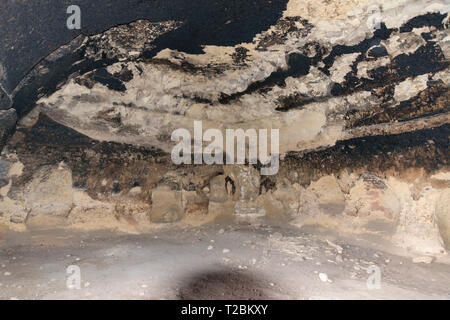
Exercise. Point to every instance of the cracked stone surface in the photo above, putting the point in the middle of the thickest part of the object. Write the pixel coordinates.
(358, 89)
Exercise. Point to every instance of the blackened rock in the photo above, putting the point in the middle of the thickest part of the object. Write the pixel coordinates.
(8, 119)
(5, 101)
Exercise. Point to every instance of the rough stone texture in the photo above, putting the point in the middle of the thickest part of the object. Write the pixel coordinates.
(167, 205)
(363, 114)
(329, 86)
(286, 199)
(216, 209)
(11, 209)
(443, 217)
(417, 229)
(330, 198)
(243, 183)
(195, 202)
(8, 120)
(31, 71)
(371, 198)
(4, 169)
(220, 196)
(5, 100)
(50, 192)
(218, 189)
(441, 180)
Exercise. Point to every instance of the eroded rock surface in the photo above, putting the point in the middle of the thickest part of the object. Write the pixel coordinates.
(361, 102)
(167, 205)
(8, 120)
(443, 216)
(50, 192)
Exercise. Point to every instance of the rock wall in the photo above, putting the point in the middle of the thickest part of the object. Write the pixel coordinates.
(358, 90)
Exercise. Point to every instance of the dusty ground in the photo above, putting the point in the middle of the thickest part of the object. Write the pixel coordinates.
(217, 261)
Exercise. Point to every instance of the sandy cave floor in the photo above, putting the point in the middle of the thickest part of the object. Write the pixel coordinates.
(214, 261)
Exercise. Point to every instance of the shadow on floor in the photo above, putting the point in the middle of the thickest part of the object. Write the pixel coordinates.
(224, 285)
